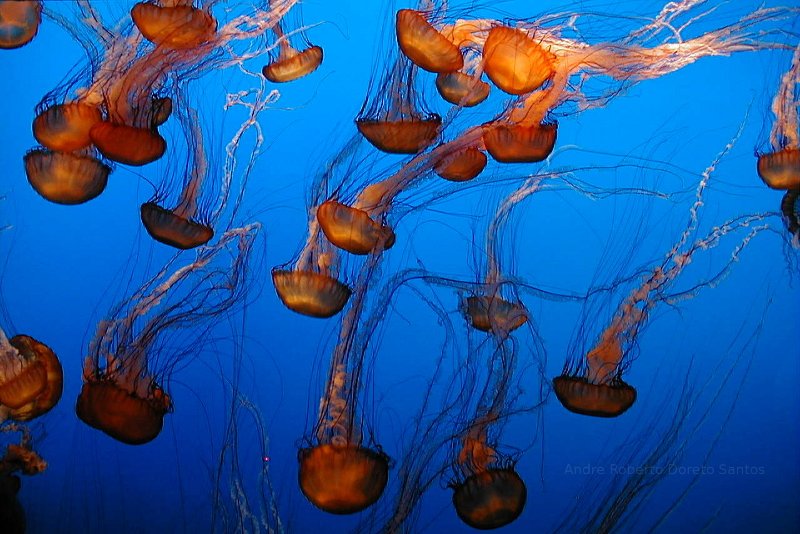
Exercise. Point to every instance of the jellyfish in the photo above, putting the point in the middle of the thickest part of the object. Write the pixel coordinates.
(488, 493)
(173, 23)
(31, 378)
(337, 473)
(310, 286)
(340, 472)
(424, 45)
(291, 64)
(124, 391)
(181, 227)
(395, 120)
(779, 168)
(593, 384)
(19, 22)
(66, 177)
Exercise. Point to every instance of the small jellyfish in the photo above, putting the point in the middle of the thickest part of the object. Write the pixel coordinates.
(519, 143)
(462, 89)
(65, 127)
(31, 378)
(19, 22)
(352, 229)
(424, 45)
(290, 63)
(395, 120)
(515, 61)
(461, 165)
(185, 226)
(65, 177)
(174, 23)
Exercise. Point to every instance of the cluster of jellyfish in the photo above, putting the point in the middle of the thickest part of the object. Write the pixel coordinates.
(134, 82)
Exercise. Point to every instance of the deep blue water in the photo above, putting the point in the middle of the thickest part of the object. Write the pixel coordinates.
(733, 344)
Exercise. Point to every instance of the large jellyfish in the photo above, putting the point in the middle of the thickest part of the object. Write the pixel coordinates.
(339, 472)
(124, 391)
(591, 383)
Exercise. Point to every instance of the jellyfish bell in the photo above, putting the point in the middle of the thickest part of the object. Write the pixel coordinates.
(487, 313)
(579, 395)
(19, 22)
(461, 89)
(516, 143)
(50, 393)
(780, 169)
(292, 64)
(352, 229)
(425, 45)
(408, 136)
(128, 145)
(121, 414)
(174, 24)
(167, 227)
(462, 165)
(31, 377)
(490, 499)
(310, 293)
(342, 478)
(65, 127)
(65, 177)
(515, 62)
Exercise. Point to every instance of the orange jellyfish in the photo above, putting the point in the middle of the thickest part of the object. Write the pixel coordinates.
(519, 143)
(185, 226)
(462, 89)
(174, 23)
(31, 378)
(491, 494)
(19, 22)
(461, 165)
(338, 474)
(309, 285)
(424, 45)
(515, 61)
(395, 120)
(65, 177)
(592, 384)
(490, 310)
(780, 167)
(290, 64)
(123, 393)
(65, 127)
